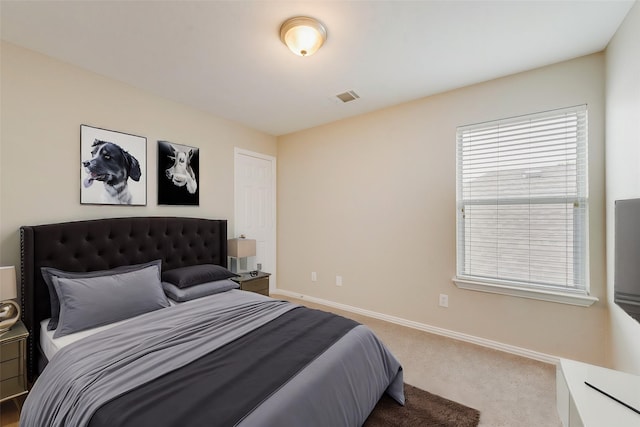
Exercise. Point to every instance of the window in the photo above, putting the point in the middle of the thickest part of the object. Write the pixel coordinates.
(522, 205)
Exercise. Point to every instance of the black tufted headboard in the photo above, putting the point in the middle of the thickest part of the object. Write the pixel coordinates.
(103, 244)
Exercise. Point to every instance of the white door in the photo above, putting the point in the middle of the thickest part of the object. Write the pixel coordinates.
(255, 206)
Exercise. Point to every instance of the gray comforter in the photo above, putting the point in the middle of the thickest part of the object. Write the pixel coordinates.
(339, 388)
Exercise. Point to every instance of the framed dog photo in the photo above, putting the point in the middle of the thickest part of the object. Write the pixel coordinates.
(178, 174)
(113, 167)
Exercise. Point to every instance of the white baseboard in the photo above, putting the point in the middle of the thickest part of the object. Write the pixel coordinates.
(519, 351)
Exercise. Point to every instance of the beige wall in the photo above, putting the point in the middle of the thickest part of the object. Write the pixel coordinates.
(372, 199)
(45, 101)
(623, 171)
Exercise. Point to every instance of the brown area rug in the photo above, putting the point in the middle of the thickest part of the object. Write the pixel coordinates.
(421, 409)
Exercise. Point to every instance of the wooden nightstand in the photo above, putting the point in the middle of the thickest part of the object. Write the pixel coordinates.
(258, 284)
(13, 373)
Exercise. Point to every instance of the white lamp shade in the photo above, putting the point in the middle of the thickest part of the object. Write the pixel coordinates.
(8, 283)
(241, 248)
(303, 35)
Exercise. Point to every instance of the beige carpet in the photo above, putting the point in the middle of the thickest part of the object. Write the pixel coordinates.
(508, 390)
(9, 412)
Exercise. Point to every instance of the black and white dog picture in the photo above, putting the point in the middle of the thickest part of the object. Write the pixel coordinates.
(178, 174)
(112, 167)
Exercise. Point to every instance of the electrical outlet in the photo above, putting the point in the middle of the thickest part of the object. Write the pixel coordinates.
(444, 300)
(338, 280)
(314, 276)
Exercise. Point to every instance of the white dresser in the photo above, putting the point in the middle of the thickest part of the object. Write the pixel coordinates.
(581, 406)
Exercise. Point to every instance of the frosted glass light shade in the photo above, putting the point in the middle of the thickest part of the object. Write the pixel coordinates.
(303, 35)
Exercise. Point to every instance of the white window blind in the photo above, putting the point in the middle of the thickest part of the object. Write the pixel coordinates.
(522, 201)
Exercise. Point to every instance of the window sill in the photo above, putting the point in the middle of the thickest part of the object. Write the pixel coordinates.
(512, 289)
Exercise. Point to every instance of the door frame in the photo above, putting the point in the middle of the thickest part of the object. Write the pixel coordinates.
(237, 152)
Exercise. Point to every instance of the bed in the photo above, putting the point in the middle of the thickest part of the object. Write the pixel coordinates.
(226, 358)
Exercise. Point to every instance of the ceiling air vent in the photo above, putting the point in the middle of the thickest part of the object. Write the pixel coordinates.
(347, 96)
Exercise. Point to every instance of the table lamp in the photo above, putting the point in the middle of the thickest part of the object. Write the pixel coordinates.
(239, 250)
(9, 310)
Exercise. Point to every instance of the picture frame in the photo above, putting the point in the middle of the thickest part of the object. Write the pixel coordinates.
(178, 174)
(113, 167)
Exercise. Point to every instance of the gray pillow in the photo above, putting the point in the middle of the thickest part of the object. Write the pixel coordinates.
(89, 302)
(184, 277)
(198, 291)
(48, 273)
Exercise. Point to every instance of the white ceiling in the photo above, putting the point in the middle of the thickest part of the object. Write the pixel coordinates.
(226, 57)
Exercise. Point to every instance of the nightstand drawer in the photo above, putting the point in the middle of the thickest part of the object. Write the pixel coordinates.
(9, 351)
(11, 387)
(9, 369)
(256, 281)
(260, 286)
(13, 381)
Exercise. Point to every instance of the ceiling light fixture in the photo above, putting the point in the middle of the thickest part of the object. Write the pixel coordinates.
(303, 35)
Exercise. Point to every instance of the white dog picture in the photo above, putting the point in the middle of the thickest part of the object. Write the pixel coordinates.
(112, 167)
(178, 174)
